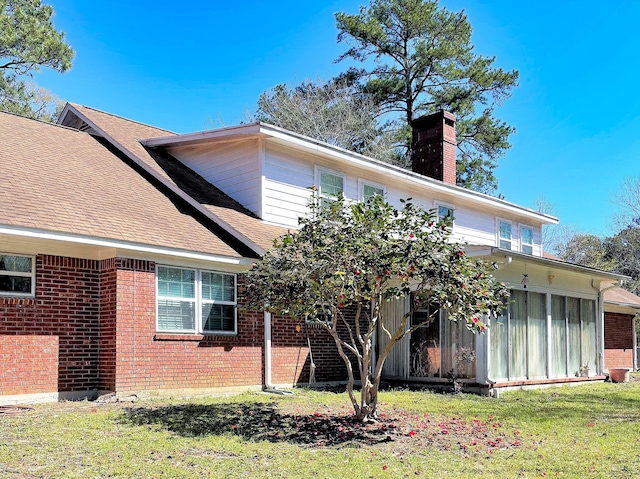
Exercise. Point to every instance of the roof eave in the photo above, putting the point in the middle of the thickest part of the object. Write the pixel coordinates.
(503, 253)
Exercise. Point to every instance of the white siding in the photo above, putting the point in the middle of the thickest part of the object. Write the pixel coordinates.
(276, 185)
(286, 186)
(233, 167)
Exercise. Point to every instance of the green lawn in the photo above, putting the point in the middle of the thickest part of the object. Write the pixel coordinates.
(580, 432)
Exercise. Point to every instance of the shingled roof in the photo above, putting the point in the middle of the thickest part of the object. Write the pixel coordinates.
(57, 179)
(126, 136)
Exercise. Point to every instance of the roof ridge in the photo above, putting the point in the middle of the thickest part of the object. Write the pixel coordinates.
(76, 105)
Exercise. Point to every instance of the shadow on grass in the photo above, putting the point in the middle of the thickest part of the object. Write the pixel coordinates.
(261, 422)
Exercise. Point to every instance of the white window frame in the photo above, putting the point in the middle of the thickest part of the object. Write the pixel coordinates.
(364, 183)
(523, 245)
(198, 303)
(450, 208)
(21, 274)
(318, 174)
(499, 221)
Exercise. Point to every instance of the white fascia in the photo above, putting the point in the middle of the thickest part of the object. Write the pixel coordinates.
(123, 245)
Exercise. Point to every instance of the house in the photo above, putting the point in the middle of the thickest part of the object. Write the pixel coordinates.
(122, 248)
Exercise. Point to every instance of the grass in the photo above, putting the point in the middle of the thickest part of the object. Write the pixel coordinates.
(581, 432)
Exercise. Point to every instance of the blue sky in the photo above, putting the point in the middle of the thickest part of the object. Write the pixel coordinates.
(203, 64)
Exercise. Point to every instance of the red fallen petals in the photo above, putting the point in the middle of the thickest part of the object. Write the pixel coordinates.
(385, 467)
(411, 433)
(444, 431)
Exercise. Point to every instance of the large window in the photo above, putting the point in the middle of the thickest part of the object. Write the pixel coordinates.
(440, 347)
(195, 301)
(504, 234)
(520, 335)
(17, 275)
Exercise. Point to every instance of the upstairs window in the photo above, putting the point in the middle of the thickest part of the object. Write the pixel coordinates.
(445, 211)
(331, 185)
(526, 239)
(504, 234)
(17, 275)
(369, 191)
(195, 301)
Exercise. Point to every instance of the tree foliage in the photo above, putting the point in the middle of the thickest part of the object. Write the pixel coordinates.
(28, 42)
(336, 112)
(419, 59)
(347, 260)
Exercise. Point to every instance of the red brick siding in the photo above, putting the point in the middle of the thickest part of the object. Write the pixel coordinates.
(151, 362)
(618, 340)
(618, 358)
(66, 306)
(28, 364)
(107, 341)
(102, 316)
(290, 353)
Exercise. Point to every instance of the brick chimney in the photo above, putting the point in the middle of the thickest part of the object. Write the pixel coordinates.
(433, 146)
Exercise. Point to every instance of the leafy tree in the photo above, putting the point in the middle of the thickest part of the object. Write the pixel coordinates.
(336, 112)
(586, 250)
(423, 61)
(347, 260)
(28, 42)
(623, 251)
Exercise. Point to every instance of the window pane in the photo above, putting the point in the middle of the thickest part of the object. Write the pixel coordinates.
(537, 353)
(527, 240)
(19, 264)
(444, 211)
(218, 317)
(499, 338)
(218, 287)
(505, 230)
(518, 335)
(558, 338)
(425, 345)
(573, 315)
(176, 283)
(15, 284)
(458, 349)
(176, 315)
(330, 185)
(589, 351)
(368, 191)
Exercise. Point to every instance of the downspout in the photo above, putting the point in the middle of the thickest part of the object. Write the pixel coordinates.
(267, 350)
(616, 284)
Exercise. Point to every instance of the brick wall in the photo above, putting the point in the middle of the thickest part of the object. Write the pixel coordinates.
(291, 361)
(152, 362)
(66, 307)
(101, 314)
(618, 340)
(28, 364)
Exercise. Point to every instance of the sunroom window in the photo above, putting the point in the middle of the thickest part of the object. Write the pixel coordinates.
(195, 301)
(17, 275)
